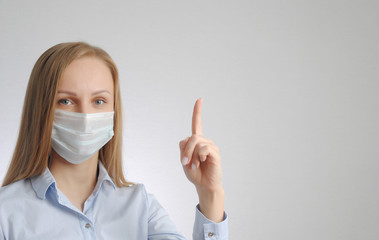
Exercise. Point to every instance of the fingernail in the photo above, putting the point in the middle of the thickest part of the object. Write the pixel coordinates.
(184, 161)
(193, 166)
(202, 158)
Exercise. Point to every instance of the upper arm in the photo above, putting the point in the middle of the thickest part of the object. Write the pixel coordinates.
(2, 237)
(160, 226)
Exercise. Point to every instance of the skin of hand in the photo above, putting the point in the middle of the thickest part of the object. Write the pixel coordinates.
(201, 162)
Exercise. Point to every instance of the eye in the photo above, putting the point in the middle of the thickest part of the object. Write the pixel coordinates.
(99, 101)
(65, 102)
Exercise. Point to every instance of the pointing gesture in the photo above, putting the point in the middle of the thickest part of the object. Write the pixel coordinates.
(196, 118)
(201, 162)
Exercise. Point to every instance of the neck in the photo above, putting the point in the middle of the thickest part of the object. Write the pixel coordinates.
(74, 176)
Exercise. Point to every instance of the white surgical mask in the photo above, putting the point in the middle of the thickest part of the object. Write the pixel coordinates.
(78, 136)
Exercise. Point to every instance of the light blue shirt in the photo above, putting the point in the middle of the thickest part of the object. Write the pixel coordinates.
(36, 209)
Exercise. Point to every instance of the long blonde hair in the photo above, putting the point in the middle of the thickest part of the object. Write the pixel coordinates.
(30, 157)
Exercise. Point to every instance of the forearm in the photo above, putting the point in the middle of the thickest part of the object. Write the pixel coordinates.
(212, 204)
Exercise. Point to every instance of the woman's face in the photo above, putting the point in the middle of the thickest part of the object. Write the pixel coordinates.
(86, 86)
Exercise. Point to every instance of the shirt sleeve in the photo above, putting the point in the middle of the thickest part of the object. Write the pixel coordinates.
(205, 229)
(160, 226)
(2, 237)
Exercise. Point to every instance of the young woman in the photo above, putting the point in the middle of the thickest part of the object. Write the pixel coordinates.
(65, 180)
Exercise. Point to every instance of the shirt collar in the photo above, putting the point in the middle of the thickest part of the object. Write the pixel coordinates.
(42, 182)
(102, 177)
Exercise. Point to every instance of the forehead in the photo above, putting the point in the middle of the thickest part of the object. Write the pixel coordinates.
(87, 72)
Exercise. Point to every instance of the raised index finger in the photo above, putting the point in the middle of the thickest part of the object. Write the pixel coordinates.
(196, 117)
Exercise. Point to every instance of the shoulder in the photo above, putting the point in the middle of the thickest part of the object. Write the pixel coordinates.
(137, 197)
(131, 201)
(14, 196)
(136, 188)
(137, 192)
(16, 190)
(133, 193)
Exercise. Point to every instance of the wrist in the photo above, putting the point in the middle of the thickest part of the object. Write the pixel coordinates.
(210, 195)
(211, 204)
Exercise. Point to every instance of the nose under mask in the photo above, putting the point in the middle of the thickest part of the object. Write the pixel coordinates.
(78, 136)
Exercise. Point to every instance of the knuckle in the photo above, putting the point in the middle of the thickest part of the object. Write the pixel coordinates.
(207, 148)
(201, 151)
(187, 153)
(201, 145)
(195, 137)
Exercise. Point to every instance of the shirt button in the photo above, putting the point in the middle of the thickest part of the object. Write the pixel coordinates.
(210, 234)
(88, 225)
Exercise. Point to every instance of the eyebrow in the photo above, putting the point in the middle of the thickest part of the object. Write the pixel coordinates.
(101, 91)
(74, 94)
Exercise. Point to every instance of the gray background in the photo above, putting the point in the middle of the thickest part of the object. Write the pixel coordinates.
(290, 94)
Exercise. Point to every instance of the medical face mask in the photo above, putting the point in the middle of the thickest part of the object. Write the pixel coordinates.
(78, 136)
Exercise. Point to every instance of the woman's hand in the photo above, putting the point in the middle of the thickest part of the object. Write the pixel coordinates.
(202, 165)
